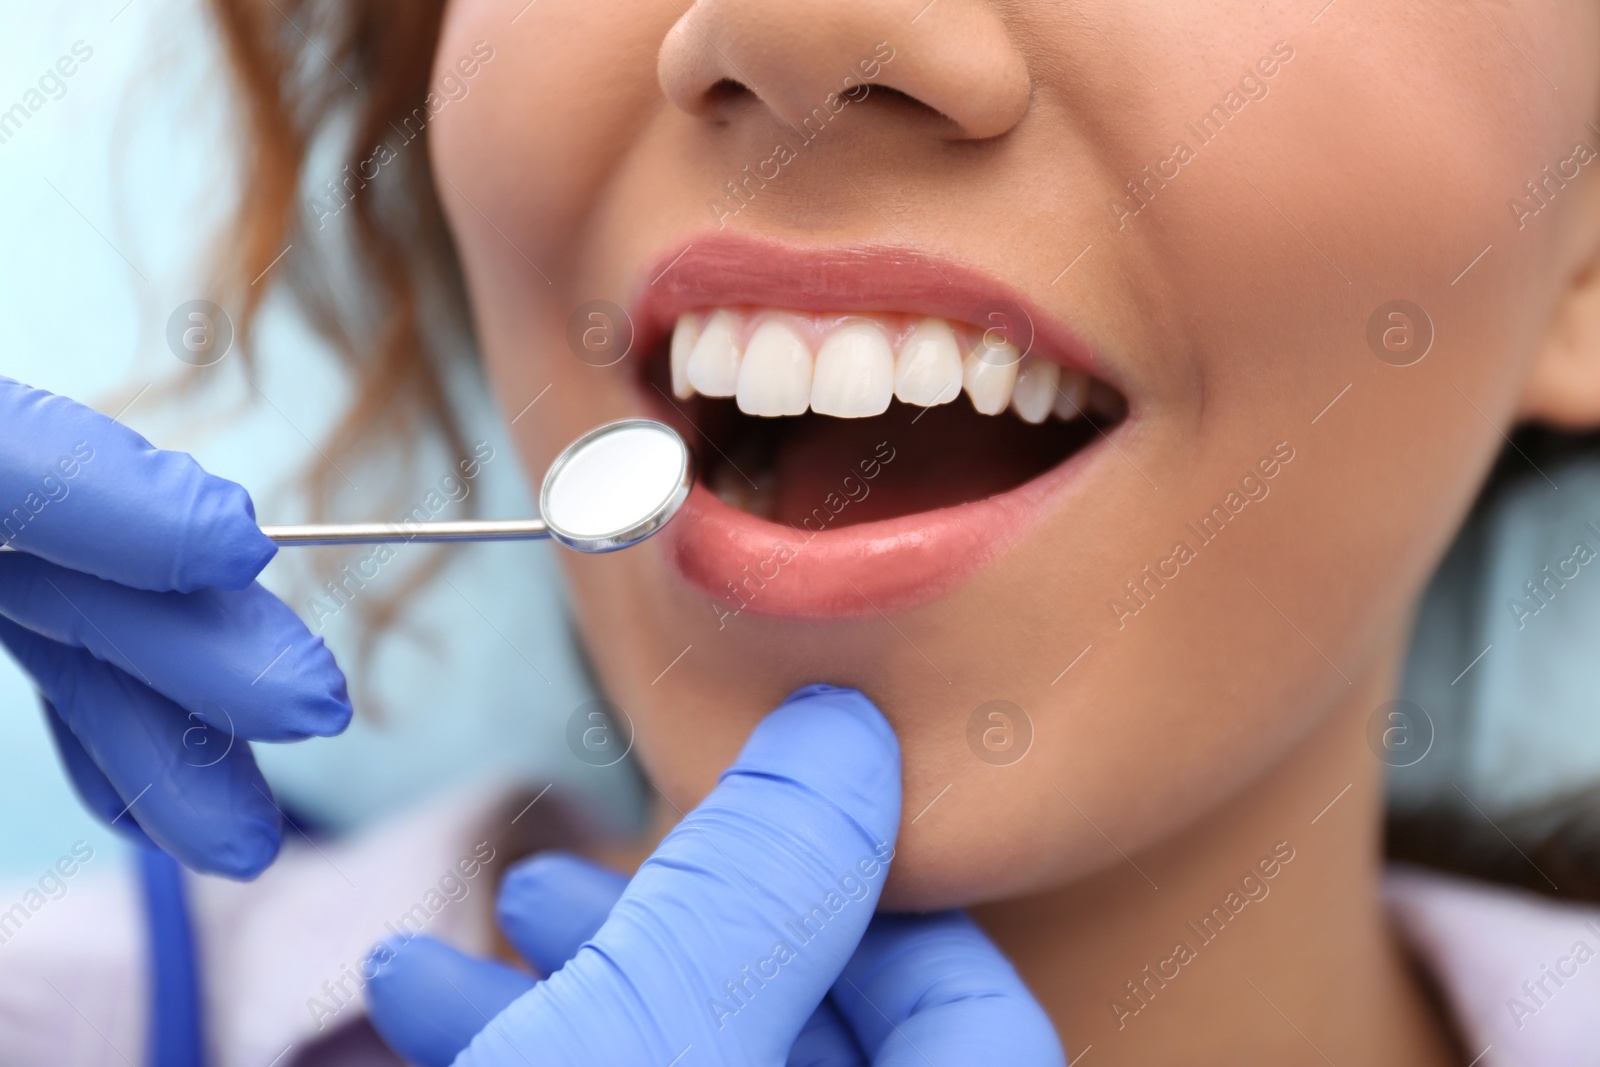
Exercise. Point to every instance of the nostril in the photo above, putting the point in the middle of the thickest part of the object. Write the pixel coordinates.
(727, 91)
(889, 92)
(730, 57)
(888, 96)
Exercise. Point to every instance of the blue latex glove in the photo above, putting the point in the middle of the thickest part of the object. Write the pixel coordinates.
(683, 964)
(132, 602)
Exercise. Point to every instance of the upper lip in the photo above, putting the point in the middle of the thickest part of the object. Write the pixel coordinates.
(724, 270)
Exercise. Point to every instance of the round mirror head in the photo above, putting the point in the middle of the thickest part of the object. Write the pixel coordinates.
(616, 485)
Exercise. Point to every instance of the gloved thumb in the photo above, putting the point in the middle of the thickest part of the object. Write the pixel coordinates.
(426, 999)
(734, 929)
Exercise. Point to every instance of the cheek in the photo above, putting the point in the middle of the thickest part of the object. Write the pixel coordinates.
(549, 116)
(522, 225)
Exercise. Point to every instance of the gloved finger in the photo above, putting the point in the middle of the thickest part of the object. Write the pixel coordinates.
(826, 1041)
(427, 1000)
(240, 659)
(94, 789)
(206, 804)
(553, 902)
(90, 494)
(730, 934)
(935, 990)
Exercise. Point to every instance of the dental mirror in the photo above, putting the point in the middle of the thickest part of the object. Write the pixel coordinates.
(611, 488)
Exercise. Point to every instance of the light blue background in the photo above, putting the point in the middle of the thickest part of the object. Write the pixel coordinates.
(109, 195)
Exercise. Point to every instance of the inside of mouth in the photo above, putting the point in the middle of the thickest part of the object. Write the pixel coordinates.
(907, 460)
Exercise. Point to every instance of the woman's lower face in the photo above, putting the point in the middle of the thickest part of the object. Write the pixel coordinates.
(1273, 310)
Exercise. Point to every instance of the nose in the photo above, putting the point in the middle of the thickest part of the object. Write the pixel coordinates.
(954, 57)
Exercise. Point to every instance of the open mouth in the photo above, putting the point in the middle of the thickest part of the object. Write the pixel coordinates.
(871, 426)
(784, 405)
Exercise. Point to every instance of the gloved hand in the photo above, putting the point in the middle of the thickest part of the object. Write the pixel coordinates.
(131, 601)
(744, 940)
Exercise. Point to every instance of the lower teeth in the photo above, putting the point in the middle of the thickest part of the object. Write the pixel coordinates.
(780, 470)
(745, 481)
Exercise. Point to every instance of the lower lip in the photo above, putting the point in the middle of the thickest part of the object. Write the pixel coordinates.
(750, 566)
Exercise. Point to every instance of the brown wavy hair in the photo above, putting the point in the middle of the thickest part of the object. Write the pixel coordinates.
(305, 70)
(333, 78)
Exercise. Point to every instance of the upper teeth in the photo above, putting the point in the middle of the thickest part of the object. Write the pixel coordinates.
(777, 363)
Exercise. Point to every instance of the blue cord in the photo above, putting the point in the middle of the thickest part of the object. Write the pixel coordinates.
(176, 1037)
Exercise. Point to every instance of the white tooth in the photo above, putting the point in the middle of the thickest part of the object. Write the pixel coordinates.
(928, 369)
(855, 373)
(988, 374)
(684, 335)
(775, 376)
(1035, 391)
(714, 361)
(1072, 393)
(730, 487)
(738, 491)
